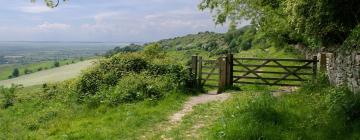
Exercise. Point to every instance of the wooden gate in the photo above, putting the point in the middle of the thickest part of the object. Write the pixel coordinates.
(208, 73)
(273, 72)
(228, 70)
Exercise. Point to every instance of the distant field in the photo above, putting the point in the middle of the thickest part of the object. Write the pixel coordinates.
(7, 69)
(49, 76)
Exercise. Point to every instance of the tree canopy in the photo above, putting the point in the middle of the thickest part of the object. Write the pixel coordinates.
(51, 3)
(321, 22)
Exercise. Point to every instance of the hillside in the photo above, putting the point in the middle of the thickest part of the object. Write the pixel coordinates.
(135, 94)
(49, 76)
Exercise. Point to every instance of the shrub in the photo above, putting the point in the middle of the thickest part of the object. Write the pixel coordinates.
(15, 73)
(9, 96)
(56, 64)
(342, 103)
(97, 83)
(132, 88)
(109, 71)
(137, 87)
(27, 71)
(154, 51)
(49, 91)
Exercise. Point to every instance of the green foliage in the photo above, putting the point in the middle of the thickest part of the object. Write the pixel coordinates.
(8, 96)
(59, 117)
(317, 111)
(27, 71)
(312, 22)
(329, 21)
(126, 49)
(6, 70)
(56, 64)
(135, 88)
(102, 80)
(15, 73)
(204, 41)
(242, 39)
(154, 51)
(51, 3)
(109, 71)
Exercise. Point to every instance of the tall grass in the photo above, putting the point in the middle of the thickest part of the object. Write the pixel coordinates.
(317, 111)
(39, 114)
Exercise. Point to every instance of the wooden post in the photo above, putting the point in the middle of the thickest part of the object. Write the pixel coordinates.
(315, 67)
(222, 70)
(323, 61)
(229, 70)
(199, 72)
(194, 65)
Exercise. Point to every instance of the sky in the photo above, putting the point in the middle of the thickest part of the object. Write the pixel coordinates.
(103, 20)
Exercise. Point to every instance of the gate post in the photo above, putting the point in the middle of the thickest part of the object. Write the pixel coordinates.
(322, 61)
(222, 70)
(315, 67)
(199, 83)
(229, 70)
(194, 71)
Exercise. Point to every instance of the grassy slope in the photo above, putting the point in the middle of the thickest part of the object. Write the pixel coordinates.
(36, 117)
(254, 114)
(6, 70)
(49, 76)
(250, 114)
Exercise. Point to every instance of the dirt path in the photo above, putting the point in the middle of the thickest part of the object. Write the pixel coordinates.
(163, 130)
(193, 101)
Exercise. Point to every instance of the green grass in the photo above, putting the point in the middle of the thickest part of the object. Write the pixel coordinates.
(54, 75)
(34, 117)
(192, 124)
(6, 70)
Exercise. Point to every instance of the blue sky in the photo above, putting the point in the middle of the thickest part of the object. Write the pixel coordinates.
(103, 20)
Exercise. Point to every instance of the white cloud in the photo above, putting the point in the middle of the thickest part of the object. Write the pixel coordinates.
(53, 26)
(150, 26)
(35, 9)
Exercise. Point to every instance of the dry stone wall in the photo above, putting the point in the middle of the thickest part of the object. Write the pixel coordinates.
(343, 68)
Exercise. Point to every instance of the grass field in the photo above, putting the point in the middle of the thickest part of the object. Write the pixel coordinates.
(49, 76)
(34, 117)
(7, 69)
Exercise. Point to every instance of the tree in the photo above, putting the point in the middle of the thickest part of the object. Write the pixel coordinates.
(318, 22)
(51, 3)
(56, 64)
(15, 73)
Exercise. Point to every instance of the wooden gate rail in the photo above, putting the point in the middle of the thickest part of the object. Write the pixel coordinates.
(203, 65)
(205, 70)
(274, 81)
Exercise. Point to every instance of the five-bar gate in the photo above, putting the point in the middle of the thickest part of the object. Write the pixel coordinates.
(227, 71)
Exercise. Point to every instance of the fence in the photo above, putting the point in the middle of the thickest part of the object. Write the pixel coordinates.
(227, 71)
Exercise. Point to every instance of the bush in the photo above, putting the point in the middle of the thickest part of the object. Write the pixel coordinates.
(136, 87)
(154, 51)
(103, 80)
(27, 71)
(15, 73)
(56, 64)
(108, 72)
(343, 104)
(8, 96)
(132, 88)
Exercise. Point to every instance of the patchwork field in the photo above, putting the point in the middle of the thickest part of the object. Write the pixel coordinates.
(49, 76)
